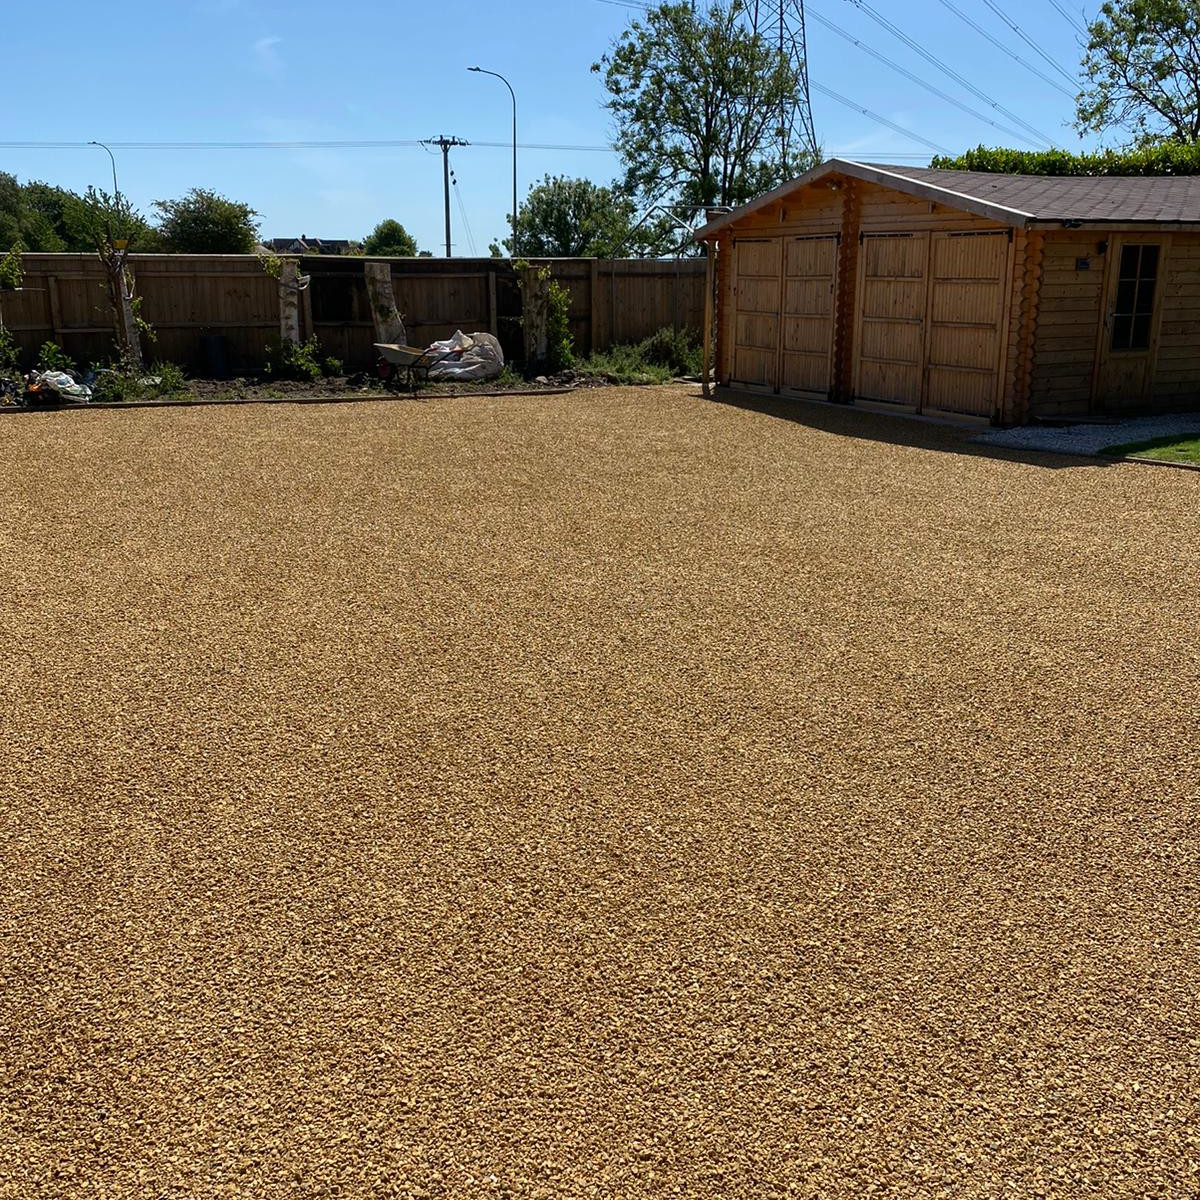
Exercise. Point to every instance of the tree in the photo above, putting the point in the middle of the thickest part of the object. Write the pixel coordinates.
(204, 222)
(696, 97)
(1143, 61)
(573, 218)
(389, 239)
(115, 228)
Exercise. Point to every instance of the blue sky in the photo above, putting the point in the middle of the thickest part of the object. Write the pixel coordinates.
(296, 70)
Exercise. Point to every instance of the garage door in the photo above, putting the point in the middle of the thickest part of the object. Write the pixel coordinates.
(756, 311)
(894, 291)
(931, 320)
(966, 319)
(809, 271)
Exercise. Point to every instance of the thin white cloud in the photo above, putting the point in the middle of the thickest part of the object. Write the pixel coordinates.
(267, 55)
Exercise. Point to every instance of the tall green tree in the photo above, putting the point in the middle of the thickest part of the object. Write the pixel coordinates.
(204, 222)
(697, 98)
(389, 239)
(574, 218)
(1143, 65)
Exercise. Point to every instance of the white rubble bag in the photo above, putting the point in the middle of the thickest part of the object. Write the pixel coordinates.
(468, 358)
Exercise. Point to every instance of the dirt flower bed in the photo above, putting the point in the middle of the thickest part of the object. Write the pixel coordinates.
(369, 384)
(605, 795)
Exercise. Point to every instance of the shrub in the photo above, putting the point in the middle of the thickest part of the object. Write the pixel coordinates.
(121, 385)
(559, 348)
(52, 357)
(294, 360)
(657, 359)
(11, 273)
(10, 356)
(171, 379)
(333, 366)
(676, 349)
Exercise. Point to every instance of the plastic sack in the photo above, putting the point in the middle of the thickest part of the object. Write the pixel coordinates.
(469, 358)
(61, 384)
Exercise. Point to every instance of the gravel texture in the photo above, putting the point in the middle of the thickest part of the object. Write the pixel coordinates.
(1091, 438)
(607, 795)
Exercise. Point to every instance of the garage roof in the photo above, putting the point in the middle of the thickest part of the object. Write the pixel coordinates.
(1021, 200)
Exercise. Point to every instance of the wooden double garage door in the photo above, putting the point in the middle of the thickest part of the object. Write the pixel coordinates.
(928, 326)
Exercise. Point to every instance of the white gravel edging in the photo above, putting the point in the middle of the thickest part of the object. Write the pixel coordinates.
(1091, 438)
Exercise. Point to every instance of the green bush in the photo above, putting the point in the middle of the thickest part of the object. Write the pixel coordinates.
(10, 356)
(120, 386)
(52, 357)
(294, 360)
(1158, 158)
(171, 379)
(657, 359)
(676, 349)
(559, 348)
(333, 366)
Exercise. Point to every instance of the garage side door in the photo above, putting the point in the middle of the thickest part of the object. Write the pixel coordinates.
(809, 270)
(893, 284)
(966, 318)
(756, 311)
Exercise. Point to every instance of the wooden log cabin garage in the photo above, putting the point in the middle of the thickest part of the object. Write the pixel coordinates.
(1000, 298)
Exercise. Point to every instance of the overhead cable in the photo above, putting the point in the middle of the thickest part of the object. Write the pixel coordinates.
(1003, 15)
(979, 29)
(929, 87)
(876, 117)
(961, 80)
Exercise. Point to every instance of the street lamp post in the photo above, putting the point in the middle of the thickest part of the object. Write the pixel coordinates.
(481, 71)
(112, 159)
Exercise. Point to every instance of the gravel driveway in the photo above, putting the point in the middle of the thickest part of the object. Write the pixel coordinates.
(611, 795)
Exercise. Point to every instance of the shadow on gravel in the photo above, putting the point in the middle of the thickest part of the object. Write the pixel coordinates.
(897, 430)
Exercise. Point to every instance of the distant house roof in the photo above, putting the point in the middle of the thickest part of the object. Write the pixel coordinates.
(307, 245)
(1022, 200)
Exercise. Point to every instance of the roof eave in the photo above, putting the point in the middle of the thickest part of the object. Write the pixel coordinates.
(870, 174)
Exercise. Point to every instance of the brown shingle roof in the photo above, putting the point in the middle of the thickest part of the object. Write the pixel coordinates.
(1071, 197)
(1022, 200)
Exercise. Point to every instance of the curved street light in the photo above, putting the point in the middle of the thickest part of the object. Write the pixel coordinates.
(481, 71)
(116, 190)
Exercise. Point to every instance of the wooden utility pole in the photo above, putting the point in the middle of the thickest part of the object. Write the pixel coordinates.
(446, 143)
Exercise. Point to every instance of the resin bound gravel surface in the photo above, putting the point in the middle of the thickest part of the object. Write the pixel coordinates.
(606, 795)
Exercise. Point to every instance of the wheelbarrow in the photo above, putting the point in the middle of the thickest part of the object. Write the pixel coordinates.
(409, 362)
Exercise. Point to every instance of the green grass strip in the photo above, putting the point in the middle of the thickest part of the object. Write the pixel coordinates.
(1174, 447)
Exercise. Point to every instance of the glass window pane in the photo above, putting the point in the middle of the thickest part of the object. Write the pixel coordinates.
(1149, 262)
(1145, 297)
(1129, 262)
(1140, 338)
(1122, 327)
(1126, 296)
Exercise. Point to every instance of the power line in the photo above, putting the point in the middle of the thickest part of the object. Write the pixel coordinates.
(961, 80)
(979, 29)
(344, 144)
(929, 87)
(1028, 40)
(881, 120)
(462, 211)
(1066, 16)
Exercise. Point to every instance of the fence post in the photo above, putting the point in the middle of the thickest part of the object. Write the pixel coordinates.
(289, 301)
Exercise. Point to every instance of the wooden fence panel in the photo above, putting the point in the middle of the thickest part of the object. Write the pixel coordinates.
(191, 298)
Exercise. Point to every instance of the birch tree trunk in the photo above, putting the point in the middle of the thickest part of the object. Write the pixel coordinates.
(289, 301)
(535, 312)
(389, 325)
